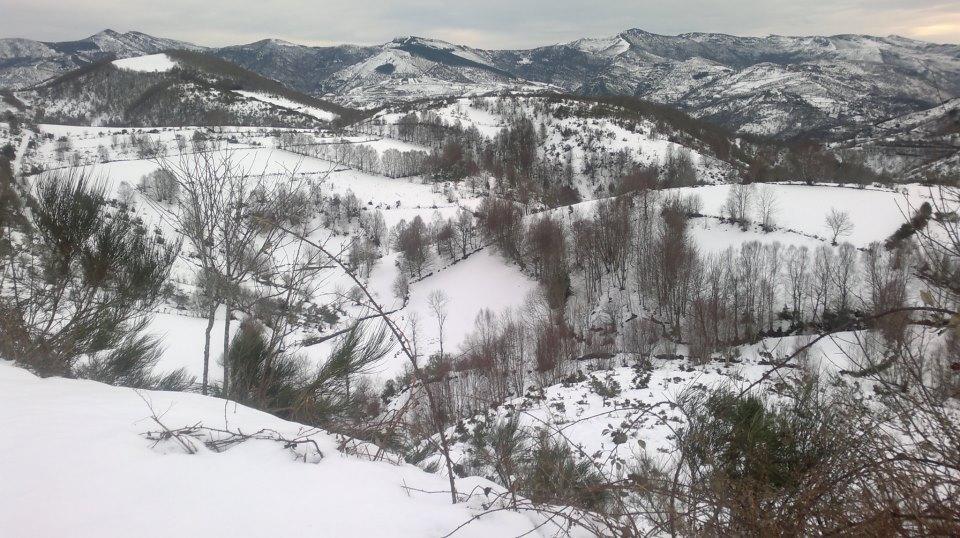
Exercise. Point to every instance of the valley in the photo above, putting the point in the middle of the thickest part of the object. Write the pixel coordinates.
(641, 285)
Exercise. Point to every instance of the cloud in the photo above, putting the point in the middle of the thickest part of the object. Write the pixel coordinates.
(936, 29)
(480, 23)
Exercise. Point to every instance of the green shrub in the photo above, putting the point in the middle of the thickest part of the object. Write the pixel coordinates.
(80, 281)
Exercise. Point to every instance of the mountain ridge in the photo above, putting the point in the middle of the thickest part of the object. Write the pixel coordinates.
(784, 86)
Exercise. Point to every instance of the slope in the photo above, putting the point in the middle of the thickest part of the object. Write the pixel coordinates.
(93, 441)
(176, 88)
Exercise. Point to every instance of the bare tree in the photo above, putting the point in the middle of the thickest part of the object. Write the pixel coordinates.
(839, 224)
(438, 301)
(767, 207)
(612, 235)
(845, 275)
(226, 212)
(737, 205)
(678, 168)
(413, 242)
(502, 224)
(797, 279)
(465, 230)
(401, 286)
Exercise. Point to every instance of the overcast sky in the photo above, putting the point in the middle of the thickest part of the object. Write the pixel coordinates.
(478, 23)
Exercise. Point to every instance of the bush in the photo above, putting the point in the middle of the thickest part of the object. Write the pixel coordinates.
(546, 471)
(82, 280)
(160, 185)
(605, 388)
(558, 476)
(261, 377)
(268, 378)
(131, 364)
(806, 462)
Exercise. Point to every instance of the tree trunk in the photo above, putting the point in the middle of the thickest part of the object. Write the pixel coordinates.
(226, 351)
(206, 347)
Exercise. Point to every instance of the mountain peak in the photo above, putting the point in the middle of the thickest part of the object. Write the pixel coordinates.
(639, 32)
(107, 32)
(274, 42)
(425, 41)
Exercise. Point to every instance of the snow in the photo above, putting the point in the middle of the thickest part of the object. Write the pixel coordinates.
(290, 104)
(278, 163)
(606, 47)
(482, 281)
(89, 434)
(875, 213)
(383, 144)
(75, 464)
(151, 63)
(383, 190)
(182, 337)
(713, 236)
(460, 110)
(642, 409)
(917, 119)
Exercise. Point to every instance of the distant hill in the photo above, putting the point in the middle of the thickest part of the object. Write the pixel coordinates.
(178, 87)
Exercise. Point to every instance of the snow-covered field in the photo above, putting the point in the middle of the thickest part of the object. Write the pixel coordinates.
(712, 236)
(874, 213)
(283, 102)
(182, 336)
(485, 280)
(152, 63)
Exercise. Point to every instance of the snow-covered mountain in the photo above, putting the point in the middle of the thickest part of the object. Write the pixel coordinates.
(24, 62)
(300, 67)
(774, 85)
(413, 68)
(406, 68)
(176, 87)
(771, 85)
(924, 144)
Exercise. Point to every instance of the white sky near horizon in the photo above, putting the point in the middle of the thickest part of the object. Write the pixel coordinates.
(494, 24)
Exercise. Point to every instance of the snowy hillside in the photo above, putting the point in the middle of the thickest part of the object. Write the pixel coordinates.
(175, 88)
(471, 305)
(616, 409)
(95, 438)
(27, 62)
(923, 144)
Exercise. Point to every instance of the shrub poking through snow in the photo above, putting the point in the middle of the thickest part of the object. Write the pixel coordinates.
(268, 378)
(81, 283)
(536, 465)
